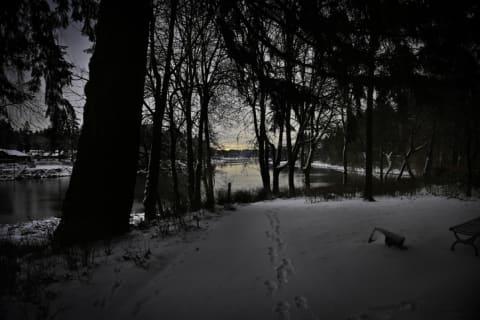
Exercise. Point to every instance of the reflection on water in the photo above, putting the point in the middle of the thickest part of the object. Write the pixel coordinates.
(247, 176)
(33, 199)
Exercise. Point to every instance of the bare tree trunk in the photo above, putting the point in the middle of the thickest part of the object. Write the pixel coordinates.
(388, 156)
(261, 136)
(468, 152)
(409, 170)
(190, 160)
(402, 169)
(306, 174)
(151, 188)
(200, 145)
(345, 161)
(427, 169)
(263, 147)
(173, 160)
(381, 164)
(276, 162)
(412, 149)
(210, 204)
(187, 100)
(368, 192)
(290, 155)
(97, 204)
(346, 134)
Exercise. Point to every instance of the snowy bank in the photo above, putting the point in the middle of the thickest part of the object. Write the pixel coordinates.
(16, 171)
(361, 171)
(35, 231)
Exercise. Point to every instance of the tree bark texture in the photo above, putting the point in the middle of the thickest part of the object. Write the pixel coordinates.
(100, 194)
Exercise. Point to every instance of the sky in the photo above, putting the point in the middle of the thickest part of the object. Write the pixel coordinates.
(76, 45)
(233, 136)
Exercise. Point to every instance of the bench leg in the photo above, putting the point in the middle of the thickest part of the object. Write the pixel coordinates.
(469, 241)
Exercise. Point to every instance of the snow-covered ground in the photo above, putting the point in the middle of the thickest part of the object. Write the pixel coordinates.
(35, 231)
(286, 259)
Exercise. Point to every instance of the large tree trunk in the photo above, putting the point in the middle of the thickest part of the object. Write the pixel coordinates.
(97, 203)
(151, 187)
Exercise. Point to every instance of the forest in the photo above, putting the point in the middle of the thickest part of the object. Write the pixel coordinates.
(373, 84)
(385, 93)
(387, 90)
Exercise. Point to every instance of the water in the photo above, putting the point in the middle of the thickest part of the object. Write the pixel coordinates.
(35, 199)
(244, 176)
(25, 200)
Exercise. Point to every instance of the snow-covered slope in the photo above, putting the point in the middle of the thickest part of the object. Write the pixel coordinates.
(289, 259)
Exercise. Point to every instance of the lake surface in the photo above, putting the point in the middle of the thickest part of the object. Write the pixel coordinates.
(35, 199)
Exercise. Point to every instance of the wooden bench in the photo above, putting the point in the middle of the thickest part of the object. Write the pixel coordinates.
(469, 230)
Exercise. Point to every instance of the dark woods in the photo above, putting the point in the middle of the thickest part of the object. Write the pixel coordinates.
(380, 85)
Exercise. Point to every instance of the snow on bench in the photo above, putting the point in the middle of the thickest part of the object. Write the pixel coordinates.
(470, 229)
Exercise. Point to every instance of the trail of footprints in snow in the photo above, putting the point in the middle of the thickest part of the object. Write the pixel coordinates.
(283, 271)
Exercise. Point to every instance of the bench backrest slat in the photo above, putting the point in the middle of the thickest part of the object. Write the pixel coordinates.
(470, 227)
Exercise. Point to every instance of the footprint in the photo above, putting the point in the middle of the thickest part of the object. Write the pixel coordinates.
(361, 316)
(138, 306)
(271, 287)
(100, 303)
(272, 253)
(277, 230)
(282, 308)
(284, 270)
(407, 306)
(402, 306)
(301, 302)
(288, 266)
(282, 275)
(280, 243)
(115, 286)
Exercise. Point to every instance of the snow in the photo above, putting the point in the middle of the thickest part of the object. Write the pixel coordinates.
(32, 231)
(223, 160)
(286, 259)
(46, 171)
(14, 153)
(376, 170)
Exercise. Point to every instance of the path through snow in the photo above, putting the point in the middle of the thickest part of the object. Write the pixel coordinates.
(289, 259)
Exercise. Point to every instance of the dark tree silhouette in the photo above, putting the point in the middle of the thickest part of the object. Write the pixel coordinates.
(32, 60)
(100, 194)
(151, 200)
